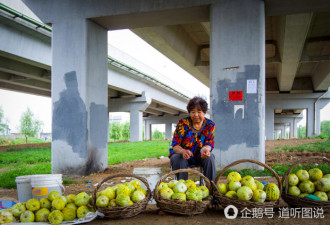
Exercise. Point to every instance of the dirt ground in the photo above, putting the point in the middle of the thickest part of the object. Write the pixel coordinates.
(153, 215)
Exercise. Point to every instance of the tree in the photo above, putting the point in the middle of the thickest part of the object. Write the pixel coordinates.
(301, 131)
(125, 131)
(29, 125)
(3, 122)
(115, 131)
(325, 128)
(157, 135)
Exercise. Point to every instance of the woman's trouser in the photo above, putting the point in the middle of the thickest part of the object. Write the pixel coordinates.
(208, 166)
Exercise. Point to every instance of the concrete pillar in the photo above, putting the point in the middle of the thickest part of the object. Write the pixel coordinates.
(135, 106)
(147, 130)
(296, 121)
(280, 129)
(136, 122)
(168, 131)
(269, 123)
(318, 106)
(79, 97)
(295, 128)
(291, 135)
(167, 120)
(277, 133)
(238, 67)
(284, 131)
(310, 122)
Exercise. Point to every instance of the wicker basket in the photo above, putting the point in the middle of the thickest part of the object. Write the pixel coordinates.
(224, 201)
(123, 212)
(299, 202)
(182, 207)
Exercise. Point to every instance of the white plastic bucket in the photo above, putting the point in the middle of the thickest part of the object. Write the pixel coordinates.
(24, 188)
(42, 185)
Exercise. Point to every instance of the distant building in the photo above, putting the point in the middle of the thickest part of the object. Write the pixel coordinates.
(45, 136)
(16, 135)
(115, 118)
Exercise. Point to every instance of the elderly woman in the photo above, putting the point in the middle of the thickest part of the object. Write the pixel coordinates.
(193, 141)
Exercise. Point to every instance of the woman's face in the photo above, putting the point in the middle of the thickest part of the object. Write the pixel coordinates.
(197, 115)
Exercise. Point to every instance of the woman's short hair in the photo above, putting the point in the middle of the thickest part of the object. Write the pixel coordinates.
(197, 102)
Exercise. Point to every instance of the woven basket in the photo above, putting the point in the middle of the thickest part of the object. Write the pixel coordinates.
(224, 201)
(299, 202)
(123, 212)
(182, 207)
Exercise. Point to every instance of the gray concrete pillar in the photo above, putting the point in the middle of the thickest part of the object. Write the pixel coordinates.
(147, 130)
(269, 123)
(296, 121)
(79, 97)
(318, 106)
(136, 122)
(280, 130)
(310, 121)
(277, 133)
(291, 130)
(284, 131)
(168, 131)
(237, 80)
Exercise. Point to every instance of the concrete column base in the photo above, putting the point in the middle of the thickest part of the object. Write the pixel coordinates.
(79, 96)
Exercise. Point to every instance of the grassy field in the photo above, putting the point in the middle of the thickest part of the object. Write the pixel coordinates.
(19, 141)
(323, 146)
(123, 152)
(27, 161)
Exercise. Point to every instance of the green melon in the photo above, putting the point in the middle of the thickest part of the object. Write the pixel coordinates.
(272, 192)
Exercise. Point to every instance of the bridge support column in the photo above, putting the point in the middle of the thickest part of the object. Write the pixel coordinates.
(319, 105)
(168, 131)
(237, 80)
(135, 106)
(79, 97)
(269, 124)
(148, 132)
(136, 125)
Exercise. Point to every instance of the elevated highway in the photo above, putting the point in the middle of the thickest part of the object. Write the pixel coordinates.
(25, 66)
(259, 58)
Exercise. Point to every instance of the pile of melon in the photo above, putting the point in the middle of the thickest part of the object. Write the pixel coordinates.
(310, 184)
(248, 189)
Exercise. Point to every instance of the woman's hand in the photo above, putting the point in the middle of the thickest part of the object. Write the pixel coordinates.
(205, 152)
(186, 154)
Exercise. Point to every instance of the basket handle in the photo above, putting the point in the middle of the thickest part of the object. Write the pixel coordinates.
(309, 159)
(217, 178)
(121, 175)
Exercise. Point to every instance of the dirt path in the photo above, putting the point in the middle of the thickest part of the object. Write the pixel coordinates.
(153, 216)
(3, 148)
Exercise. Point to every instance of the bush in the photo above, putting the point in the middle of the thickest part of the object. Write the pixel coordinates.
(157, 135)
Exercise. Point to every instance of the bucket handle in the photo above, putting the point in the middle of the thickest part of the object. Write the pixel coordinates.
(61, 186)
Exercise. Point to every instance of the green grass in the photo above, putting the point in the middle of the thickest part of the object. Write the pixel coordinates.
(69, 181)
(27, 161)
(7, 178)
(323, 146)
(126, 152)
(25, 155)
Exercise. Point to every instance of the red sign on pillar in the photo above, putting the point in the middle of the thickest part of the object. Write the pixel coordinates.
(235, 96)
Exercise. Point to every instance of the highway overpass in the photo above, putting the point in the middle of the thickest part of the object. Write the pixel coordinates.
(259, 58)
